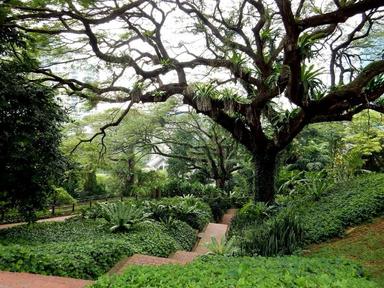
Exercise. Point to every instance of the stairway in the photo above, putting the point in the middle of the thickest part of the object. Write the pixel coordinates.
(217, 230)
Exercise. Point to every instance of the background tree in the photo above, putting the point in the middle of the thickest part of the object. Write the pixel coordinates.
(249, 65)
(195, 145)
(126, 149)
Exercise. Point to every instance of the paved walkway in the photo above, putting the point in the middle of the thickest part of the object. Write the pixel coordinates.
(227, 217)
(28, 280)
(53, 219)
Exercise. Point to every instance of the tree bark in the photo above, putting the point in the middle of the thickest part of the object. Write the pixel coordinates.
(264, 178)
(220, 183)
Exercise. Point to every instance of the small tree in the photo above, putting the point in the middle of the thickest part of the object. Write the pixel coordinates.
(30, 122)
(30, 135)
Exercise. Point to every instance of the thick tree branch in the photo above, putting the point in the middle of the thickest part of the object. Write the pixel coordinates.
(340, 15)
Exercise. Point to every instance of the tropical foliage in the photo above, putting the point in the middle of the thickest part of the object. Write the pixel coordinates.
(244, 272)
(121, 216)
(48, 248)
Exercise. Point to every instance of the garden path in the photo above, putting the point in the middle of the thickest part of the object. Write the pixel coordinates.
(53, 219)
(28, 280)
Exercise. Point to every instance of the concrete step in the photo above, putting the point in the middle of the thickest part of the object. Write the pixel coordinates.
(140, 259)
(184, 257)
(212, 230)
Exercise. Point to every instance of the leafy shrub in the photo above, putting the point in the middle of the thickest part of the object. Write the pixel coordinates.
(218, 271)
(191, 210)
(279, 235)
(123, 217)
(177, 187)
(266, 231)
(93, 212)
(256, 211)
(251, 215)
(184, 234)
(61, 196)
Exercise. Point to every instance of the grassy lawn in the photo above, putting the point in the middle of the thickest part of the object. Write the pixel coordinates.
(363, 244)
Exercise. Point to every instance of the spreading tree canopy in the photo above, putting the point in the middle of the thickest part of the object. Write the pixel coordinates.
(262, 69)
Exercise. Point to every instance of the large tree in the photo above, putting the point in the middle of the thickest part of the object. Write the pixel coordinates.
(247, 64)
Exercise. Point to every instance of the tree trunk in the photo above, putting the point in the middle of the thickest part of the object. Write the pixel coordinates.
(264, 176)
(130, 178)
(220, 183)
(223, 185)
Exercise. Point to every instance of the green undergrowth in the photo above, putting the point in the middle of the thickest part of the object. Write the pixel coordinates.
(189, 209)
(364, 245)
(310, 219)
(243, 272)
(184, 234)
(85, 249)
(346, 204)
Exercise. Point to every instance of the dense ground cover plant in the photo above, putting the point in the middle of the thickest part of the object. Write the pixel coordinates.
(265, 230)
(86, 260)
(184, 234)
(82, 249)
(364, 245)
(243, 272)
(348, 203)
